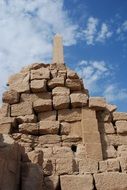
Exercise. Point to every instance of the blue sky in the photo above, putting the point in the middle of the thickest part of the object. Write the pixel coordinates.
(94, 34)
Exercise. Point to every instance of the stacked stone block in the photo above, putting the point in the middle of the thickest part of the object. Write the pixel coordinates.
(67, 139)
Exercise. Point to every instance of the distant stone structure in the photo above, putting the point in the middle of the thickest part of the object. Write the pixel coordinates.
(53, 136)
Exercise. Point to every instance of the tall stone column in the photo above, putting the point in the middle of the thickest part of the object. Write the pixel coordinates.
(58, 55)
(91, 135)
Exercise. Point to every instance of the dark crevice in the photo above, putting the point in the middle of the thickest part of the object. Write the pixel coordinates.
(59, 185)
(94, 184)
(73, 148)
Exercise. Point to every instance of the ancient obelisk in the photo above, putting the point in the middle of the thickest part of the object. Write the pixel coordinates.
(58, 55)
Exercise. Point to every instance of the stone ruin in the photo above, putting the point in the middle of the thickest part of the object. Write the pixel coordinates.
(53, 136)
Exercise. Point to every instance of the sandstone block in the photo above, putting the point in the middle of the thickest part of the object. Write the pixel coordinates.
(110, 165)
(31, 176)
(62, 152)
(56, 82)
(38, 85)
(106, 128)
(88, 113)
(41, 105)
(62, 73)
(23, 108)
(88, 166)
(123, 164)
(6, 128)
(19, 82)
(47, 151)
(68, 138)
(51, 182)
(49, 139)
(98, 103)
(48, 115)
(76, 182)
(36, 157)
(121, 127)
(5, 110)
(78, 100)
(69, 115)
(41, 73)
(48, 127)
(80, 152)
(33, 96)
(65, 166)
(111, 108)
(61, 102)
(89, 137)
(29, 128)
(119, 116)
(8, 120)
(93, 151)
(10, 97)
(72, 74)
(26, 119)
(65, 128)
(111, 152)
(73, 84)
(122, 150)
(49, 167)
(89, 125)
(110, 181)
(60, 91)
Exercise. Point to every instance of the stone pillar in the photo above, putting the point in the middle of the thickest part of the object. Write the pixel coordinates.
(91, 135)
(58, 56)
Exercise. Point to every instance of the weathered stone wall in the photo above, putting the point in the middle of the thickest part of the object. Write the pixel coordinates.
(66, 139)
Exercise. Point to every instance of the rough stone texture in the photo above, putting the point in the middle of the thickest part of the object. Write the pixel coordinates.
(47, 115)
(19, 82)
(48, 127)
(88, 166)
(61, 91)
(61, 102)
(121, 127)
(45, 104)
(42, 73)
(78, 100)
(23, 108)
(10, 97)
(97, 103)
(58, 135)
(74, 182)
(119, 116)
(73, 84)
(38, 86)
(111, 181)
(69, 115)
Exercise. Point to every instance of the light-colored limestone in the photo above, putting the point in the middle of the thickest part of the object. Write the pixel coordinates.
(110, 181)
(65, 166)
(94, 151)
(58, 56)
(48, 127)
(73, 84)
(121, 127)
(41, 73)
(38, 85)
(56, 82)
(98, 103)
(76, 182)
(78, 99)
(10, 97)
(88, 166)
(23, 108)
(29, 128)
(61, 102)
(49, 139)
(69, 115)
(47, 115)
(19, 82)
(5, 110)
(60, 91)
(119, 116)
